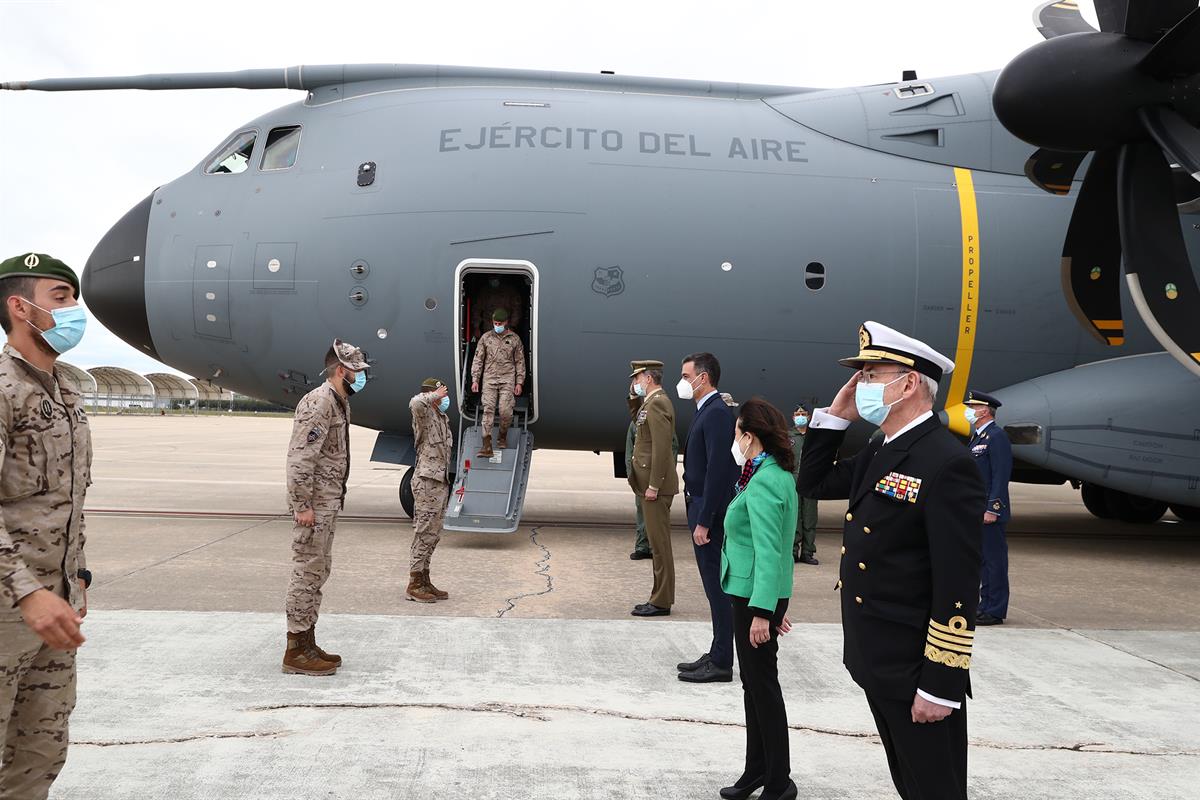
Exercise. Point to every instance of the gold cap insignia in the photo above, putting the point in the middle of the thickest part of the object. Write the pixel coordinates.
(864, 338)
(32, 260)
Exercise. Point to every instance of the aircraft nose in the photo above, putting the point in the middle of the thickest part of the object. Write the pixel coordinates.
(114, 279)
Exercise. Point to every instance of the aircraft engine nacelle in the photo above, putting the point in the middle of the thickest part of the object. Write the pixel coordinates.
(1130, 424)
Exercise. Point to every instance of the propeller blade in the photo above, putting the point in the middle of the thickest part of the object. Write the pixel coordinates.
(1149, 20)
(1177, 137)
(1060, 17)
(1177, 54)
(1111, 14)
(1157, 268)
(1053, 170)
(1091, 262)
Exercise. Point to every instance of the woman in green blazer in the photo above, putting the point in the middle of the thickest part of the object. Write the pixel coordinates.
(756, 573)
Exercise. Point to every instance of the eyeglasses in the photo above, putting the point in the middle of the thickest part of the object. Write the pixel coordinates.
(871, 376)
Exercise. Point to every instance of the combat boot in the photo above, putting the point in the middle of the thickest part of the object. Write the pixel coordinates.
(333, 658)
(486, 450)
(300, 659)
(435, 591)
(502, 440)
(417, 590)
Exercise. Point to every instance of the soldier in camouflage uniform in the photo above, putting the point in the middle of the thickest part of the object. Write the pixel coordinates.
(499, 365)
(318, 465)
(430, 484)
(46, 451)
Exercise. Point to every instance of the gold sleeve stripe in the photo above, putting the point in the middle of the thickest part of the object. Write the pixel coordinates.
(958, 648)
(956, 660)
(945, 637)
(957, 627)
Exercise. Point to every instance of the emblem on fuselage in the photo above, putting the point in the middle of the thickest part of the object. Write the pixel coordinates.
(609, 281)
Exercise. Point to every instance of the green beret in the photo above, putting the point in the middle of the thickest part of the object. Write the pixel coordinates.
(432, 384)
(500, 315)
(38, 265)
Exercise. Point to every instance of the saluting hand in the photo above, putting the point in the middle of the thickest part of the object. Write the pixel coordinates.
(843, 405)
(52, 619)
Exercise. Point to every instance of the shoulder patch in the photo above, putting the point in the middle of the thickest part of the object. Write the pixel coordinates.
(313, 435)
(47, 409)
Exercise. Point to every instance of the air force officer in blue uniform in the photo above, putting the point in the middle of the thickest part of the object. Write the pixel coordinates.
(993, 455)
(709, 474)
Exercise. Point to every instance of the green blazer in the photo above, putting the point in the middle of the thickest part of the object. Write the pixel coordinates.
(760, 526)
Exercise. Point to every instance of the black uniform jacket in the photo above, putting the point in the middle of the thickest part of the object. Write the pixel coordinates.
(909, 575)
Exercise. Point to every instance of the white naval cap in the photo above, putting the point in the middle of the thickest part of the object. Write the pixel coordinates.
(880, 343)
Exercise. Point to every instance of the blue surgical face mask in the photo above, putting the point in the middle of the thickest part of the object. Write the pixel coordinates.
(639, 390)
(69, 325)
(801, 420)
(498, 328)
(868, 397)
(444, 404)
(356, 386)
(970, 415)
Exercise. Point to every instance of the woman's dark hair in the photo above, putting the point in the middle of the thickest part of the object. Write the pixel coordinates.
(767, 423)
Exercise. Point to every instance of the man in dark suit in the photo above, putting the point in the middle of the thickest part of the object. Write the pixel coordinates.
(909, 575)
(993, 455)
(709, 473)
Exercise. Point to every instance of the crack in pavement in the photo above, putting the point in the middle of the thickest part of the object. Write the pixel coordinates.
(539, 713)
(543, 569)
(183, 739)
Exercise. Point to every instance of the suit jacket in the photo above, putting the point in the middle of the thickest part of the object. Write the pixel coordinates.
(760, 526)
(709, 471)
(653, 461)
(993, 456)
(912, 540)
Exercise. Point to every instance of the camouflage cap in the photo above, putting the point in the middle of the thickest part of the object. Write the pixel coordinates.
(38, 265)
(639, 367)
(500, 315)
(351, 357)
(432, 384)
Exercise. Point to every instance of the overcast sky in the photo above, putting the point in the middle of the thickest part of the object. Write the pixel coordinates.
(73, 163)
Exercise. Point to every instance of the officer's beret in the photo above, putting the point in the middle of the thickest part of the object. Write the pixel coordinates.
(975, 398)
(500, 315)
(639, 367)
(38, 265)
(432, 384)
(350, 356)
(880, 343)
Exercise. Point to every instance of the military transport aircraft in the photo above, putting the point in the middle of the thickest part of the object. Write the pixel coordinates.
(648, 218)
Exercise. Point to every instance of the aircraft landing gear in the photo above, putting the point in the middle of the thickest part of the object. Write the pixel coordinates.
(406, 493)
(1112, 504)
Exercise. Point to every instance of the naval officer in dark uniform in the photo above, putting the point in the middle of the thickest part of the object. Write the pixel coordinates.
(993, 455)
(909, 575)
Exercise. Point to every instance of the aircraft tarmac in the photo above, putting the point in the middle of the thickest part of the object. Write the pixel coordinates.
(532, 680)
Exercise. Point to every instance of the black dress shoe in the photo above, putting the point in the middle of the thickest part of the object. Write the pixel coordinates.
(987, 619)
(638, 555)
(790, 793)
(650, 610)
(709, 673)
(809, 559)
(692, 666)
(740, 790)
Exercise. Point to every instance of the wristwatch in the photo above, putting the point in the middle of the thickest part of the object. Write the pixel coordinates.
(86, 576)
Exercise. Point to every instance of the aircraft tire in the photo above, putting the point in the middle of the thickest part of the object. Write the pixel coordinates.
(406, 493)
(1131, 508)
(1186, 513)
(1095, 500)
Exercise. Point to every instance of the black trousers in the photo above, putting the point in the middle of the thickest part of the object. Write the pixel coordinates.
(708, 561)
(928, 760)
(767, 752)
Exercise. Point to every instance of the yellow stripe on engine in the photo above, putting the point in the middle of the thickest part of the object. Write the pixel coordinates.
(968, 312)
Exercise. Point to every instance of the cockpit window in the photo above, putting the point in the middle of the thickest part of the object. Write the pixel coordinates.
(281, 149)
(233, 157)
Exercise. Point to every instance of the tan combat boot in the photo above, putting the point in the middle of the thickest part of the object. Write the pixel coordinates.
(438, 593)
(300, 659)
(312, 645)
(417, 590)
(502, 441)
(486, 450)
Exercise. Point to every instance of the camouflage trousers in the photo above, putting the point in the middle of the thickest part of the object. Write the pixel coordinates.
(429, 509)
(493, 393)
(312, 558)
(37, 695)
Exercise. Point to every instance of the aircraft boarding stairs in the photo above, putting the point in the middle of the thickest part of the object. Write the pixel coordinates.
(489, 493)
